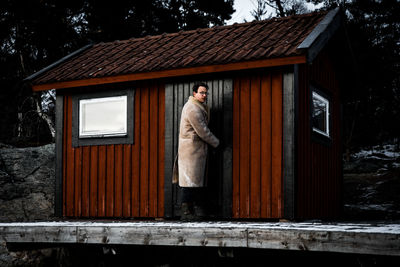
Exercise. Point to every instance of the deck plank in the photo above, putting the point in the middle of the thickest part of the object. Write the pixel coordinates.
(374, 239)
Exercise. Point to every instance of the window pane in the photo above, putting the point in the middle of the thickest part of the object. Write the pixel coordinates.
(103, 116)
(320, 115)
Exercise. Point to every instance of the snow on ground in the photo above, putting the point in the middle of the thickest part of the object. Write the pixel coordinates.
(372, 183)
(382, 157)
(382, 152)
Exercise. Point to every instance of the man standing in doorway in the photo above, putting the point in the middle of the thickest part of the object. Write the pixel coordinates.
(194, 138)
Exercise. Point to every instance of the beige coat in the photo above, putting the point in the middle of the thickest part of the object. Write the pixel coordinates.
(194, 135)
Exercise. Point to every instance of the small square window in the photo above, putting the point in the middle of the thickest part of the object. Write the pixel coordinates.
(103, 117)
(320, 114)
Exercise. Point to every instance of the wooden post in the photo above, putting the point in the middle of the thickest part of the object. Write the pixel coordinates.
(169, 149)
(288, 144)
(58, 210)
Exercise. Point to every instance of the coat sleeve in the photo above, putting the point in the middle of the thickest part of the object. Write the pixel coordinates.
(199, 125)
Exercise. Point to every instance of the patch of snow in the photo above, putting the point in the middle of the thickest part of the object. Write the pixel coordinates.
(386, 152)
(369, 207)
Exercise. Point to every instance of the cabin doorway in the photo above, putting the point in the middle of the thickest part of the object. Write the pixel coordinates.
(219, 186)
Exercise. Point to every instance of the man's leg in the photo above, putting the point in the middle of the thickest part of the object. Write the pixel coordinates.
(199, 202)
(187, 203)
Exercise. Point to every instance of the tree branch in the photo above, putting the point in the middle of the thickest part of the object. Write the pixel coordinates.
(280, 8)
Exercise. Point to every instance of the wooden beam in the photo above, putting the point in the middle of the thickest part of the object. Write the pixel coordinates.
(373, 239)
(173, 73)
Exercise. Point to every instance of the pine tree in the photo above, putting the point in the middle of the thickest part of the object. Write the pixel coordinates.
(36, 33)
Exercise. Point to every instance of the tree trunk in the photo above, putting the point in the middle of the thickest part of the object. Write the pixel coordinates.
(280, 8)
(45, 117)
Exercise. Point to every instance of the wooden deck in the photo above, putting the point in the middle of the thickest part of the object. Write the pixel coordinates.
(377, 239)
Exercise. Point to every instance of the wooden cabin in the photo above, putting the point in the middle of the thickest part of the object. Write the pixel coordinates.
(275, 106)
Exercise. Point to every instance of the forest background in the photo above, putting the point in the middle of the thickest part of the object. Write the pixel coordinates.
(36, 33)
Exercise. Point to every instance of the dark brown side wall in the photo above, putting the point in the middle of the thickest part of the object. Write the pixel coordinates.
(257, 145)
(319, 184)
(118, 180)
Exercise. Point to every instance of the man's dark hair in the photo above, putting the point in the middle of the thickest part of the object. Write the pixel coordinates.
(197, 85)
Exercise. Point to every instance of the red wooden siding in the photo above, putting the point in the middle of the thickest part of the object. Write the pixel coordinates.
(319, 165)
(118, 180)
(257, 146)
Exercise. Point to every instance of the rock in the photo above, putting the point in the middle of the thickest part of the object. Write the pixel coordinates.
(363, 166)
(27, 177)
(6, 258)
(2, 145)
(372, 196)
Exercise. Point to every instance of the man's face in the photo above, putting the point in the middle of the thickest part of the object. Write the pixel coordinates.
(201, 94)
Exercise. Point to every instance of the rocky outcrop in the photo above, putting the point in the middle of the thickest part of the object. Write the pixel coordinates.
(27, 177)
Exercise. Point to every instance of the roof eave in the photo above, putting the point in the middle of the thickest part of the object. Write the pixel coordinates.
(243, 65)
(321, 34)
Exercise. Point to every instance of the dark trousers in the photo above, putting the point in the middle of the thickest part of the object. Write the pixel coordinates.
(193, 194)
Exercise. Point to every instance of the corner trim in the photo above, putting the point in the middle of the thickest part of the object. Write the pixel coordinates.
(58, 208)
(169, 153)
(321, 34)
(289, 139)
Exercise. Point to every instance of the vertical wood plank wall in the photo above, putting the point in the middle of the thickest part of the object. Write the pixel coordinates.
(319, 165)
(118, 180)
(257, 145)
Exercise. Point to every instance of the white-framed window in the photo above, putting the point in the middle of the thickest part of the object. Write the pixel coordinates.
(103, 117)
(320, 114)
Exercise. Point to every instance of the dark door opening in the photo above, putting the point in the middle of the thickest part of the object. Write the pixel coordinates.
(219, 186)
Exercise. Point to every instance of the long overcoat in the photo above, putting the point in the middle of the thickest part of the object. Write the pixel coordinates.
(194, 137)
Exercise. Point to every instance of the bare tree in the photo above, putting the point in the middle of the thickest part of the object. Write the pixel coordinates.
(295, 7)
(42, 108)
(287, 7)
(261, 10)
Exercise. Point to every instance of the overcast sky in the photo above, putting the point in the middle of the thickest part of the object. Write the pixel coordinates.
(244, 7)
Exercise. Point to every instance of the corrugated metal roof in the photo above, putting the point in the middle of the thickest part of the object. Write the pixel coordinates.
(274, 38)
